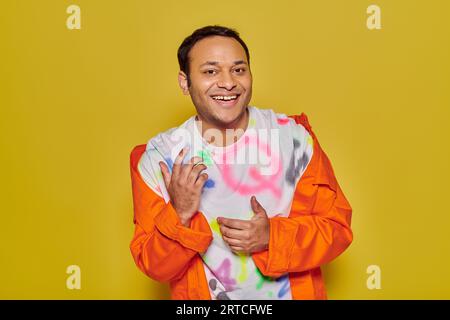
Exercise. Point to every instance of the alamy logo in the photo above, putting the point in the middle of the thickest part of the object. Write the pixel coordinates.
(374, 20)
(374, 279)
(74, 279)
(73, 21)
(260, 147)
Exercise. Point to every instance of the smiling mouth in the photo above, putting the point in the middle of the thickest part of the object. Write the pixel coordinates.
(226, 100)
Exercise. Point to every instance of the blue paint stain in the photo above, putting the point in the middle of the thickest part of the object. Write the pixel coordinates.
(169, 163)
(285, 287)
(209, 183)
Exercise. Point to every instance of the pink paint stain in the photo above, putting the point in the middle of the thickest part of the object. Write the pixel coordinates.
(263, 182)
(223, 274)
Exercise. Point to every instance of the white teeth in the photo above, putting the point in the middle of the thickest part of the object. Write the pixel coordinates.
(226, 98)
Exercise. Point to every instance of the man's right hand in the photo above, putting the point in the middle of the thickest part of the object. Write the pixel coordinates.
(185, 185)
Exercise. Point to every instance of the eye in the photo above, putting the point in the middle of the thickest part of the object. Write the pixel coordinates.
(240, 70)
(209, 72)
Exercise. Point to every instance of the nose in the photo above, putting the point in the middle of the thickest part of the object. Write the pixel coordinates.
(226, 81)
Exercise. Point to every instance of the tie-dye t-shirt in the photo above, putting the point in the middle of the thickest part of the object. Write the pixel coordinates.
(266, 161)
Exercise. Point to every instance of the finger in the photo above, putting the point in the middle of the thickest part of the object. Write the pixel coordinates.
(195, 173)
(177, 163)
(233, 233)
(232, 242)
(201, 180)
(165, 173)
(195, 160)
(187, 168)
(237, 249)
(256, 206)
(234, 223)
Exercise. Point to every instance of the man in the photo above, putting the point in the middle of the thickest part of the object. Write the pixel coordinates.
(237, 202)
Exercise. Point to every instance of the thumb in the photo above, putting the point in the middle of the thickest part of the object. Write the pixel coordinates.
(165, 173)
(257, 207)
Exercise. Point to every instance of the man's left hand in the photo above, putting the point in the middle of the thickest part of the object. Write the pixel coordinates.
(247, 236)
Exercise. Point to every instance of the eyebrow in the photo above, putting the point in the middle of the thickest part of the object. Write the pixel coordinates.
(214, 63)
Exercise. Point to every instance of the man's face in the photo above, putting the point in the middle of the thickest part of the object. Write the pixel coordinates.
(218, 69)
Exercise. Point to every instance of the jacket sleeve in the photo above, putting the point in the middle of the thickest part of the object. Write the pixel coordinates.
(317, 229)
(161, 246)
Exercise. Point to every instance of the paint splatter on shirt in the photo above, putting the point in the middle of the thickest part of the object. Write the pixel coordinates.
(267, 161)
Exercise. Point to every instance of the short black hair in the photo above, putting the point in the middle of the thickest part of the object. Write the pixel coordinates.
(199, 34)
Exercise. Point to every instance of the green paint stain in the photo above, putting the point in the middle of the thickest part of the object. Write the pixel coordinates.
(206, 156)
(243, 274)
(262, 279)
(215, 226)
(251, 122)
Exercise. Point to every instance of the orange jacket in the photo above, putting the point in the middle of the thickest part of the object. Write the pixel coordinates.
(316, 231)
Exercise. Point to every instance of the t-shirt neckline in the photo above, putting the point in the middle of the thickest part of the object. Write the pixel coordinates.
(218, 149)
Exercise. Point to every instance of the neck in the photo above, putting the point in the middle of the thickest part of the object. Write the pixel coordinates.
(230, 132)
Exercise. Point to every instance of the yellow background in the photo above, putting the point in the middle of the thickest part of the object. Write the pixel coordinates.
(75, 102)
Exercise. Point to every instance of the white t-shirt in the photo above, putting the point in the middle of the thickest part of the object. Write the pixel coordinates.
(267, 161)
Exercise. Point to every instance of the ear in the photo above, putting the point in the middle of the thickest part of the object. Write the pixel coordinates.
(182, 81)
